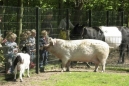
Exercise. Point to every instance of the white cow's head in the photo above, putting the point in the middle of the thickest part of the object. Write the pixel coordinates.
(51, 42)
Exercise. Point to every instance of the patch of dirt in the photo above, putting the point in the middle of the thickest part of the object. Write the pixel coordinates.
(29, 81)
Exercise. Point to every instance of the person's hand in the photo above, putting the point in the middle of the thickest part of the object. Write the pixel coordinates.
(5, 40)
(34, 50)
(29, 44)
(15, 51)
(41, 48)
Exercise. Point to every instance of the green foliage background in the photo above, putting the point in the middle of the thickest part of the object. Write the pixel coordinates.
(87, 4)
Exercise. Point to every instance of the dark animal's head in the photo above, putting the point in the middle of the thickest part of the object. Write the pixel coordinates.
(77, 32)
(17, 59)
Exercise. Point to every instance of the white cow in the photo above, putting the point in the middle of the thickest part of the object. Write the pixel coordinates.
(86, 50)
(21, 62)
(116, 36)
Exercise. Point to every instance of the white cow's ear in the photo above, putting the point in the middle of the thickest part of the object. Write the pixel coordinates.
(51, 43)
(49, 39)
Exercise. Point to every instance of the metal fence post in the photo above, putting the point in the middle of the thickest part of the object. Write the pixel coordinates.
(67, 23)
(37, 40)
(107, 15)
(67, 19)
(122, 19)
(89, 18)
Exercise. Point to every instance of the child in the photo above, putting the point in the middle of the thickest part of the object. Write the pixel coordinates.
(27, 45)
(13, 49)
(31, 44)
(24, 43)
(43, 52)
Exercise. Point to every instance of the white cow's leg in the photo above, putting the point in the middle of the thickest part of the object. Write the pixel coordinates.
(67, 65)
(63, 67)
(96, 67)
(103, 65)
(64, 62)
(103, 68)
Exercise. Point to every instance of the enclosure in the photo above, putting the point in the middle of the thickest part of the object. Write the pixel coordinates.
(32, 18)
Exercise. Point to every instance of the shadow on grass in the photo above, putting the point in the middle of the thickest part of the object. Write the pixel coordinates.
(118, 69)
(47, 71)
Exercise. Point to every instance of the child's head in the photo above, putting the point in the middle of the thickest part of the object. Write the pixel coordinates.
(28, 32)
(33, 32)
(11, 37)
(44, 33)
(24, 36)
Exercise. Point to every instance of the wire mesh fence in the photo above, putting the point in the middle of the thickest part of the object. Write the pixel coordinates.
(9, 19)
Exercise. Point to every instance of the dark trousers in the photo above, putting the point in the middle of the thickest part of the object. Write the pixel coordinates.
(43, 58)
(9, 62)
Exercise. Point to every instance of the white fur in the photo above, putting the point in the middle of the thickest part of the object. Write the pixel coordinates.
(112, 36)
(87, 50)
(22, 66)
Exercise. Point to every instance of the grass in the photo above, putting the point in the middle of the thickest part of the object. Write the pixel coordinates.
(118, 76)
(118, 69)
(87, 79)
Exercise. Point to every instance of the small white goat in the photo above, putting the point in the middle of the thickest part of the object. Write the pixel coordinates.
(21, 62)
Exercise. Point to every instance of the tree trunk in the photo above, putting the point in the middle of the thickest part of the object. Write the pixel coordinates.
(19, 19)
(60, 4)
(78, 8)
